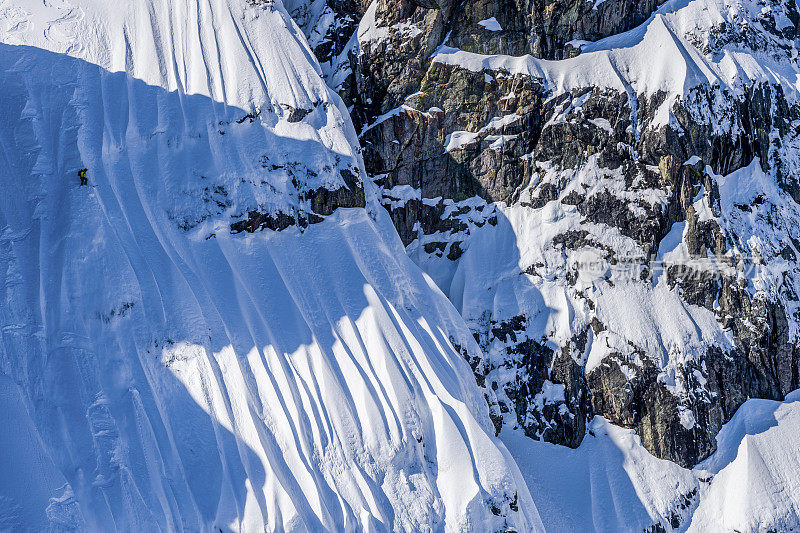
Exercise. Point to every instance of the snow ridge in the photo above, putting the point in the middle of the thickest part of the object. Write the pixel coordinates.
(682, 45)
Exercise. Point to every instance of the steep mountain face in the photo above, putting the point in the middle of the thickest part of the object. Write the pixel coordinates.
(608, 194)
(212, 311)
(219, 330)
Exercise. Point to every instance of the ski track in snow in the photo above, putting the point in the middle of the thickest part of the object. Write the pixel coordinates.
(164, 374)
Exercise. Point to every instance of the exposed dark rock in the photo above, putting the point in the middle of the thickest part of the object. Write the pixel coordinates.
(321, 202)
(279, 221)
(324, 201)
(558, 418)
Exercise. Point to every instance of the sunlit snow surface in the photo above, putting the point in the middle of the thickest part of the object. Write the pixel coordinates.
(158, 372)
(611, 483)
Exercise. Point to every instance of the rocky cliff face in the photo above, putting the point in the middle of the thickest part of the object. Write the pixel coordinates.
(608, 193)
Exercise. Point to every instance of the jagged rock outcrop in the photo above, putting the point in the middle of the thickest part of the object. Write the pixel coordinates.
(552, 30)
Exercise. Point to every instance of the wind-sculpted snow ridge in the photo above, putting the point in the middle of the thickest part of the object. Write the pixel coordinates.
(685, 43)
(160, 370)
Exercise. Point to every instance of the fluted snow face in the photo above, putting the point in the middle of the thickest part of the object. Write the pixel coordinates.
(160, 372)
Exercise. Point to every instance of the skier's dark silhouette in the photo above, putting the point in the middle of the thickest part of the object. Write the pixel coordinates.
(82, 176)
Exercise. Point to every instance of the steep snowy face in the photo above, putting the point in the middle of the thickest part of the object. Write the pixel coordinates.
(757, 451)
(246, 66)
(206, 323)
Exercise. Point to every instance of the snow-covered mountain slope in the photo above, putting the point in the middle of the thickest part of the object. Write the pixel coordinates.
(168, 364)
(611, 483)
(754, 485)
